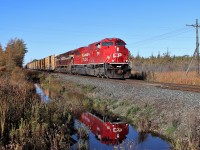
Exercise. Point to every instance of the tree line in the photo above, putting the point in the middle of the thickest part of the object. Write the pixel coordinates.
(162, 63)
(12, 55)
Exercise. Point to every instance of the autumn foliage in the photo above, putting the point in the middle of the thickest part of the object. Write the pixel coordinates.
(13, 55)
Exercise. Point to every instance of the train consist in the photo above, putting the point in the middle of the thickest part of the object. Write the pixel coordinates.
(106, 58)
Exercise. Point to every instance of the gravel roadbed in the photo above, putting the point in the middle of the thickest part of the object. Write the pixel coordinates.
(111, 89)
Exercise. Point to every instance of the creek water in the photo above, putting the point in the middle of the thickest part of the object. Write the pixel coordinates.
(132, 140)
(44, 96)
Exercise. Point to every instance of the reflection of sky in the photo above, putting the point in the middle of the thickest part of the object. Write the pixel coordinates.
(40, 92)
(132, 141)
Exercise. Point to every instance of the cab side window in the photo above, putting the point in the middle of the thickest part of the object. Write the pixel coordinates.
(98, 46)
(107, 43)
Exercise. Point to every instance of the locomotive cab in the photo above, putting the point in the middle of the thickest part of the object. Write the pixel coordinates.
(108, 58)
(115, 58)
(115, 51)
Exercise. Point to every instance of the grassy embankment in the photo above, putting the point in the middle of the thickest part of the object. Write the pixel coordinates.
(160, 118)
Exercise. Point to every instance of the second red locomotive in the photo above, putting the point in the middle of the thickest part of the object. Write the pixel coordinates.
(106, 58)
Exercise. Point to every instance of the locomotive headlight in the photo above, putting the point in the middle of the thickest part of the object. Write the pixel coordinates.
(126, 61)
(117, 49)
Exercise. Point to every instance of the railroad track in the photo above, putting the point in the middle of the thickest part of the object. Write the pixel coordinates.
(191, 88)
(171, 86)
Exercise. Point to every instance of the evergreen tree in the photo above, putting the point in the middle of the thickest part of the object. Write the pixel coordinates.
(158, 56)
(138, 56)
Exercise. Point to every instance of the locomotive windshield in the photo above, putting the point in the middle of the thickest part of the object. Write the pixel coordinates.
(107, 43)
(119, 43)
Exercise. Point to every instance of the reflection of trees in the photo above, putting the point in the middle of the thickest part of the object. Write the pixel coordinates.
(142, 137)
(83, 137)
(83, 144)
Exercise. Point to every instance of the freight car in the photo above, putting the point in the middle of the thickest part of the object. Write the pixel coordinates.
(106, 58)
(47, 63)
(107, 130)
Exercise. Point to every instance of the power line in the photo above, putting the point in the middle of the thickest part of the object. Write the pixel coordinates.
(164, 36)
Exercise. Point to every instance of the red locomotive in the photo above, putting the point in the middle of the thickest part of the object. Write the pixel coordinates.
(108, 131)
(106, 58)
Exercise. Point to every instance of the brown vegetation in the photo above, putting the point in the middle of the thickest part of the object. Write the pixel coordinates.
(28, 123)
(25, 121)
(177, 77)
(14, 53)
(165, 68)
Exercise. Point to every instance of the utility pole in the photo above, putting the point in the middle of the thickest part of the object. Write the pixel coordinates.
(196, 52)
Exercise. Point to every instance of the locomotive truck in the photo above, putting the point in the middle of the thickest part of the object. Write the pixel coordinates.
(106, 58)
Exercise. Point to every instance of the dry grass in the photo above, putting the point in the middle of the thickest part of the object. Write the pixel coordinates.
(177, 77)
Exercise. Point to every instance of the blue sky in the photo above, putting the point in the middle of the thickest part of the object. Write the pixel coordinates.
(53, 27)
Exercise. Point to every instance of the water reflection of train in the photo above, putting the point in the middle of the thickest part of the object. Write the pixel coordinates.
(108, 130)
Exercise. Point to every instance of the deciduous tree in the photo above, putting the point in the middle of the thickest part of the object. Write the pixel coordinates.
(2, 60)
(15, 52)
